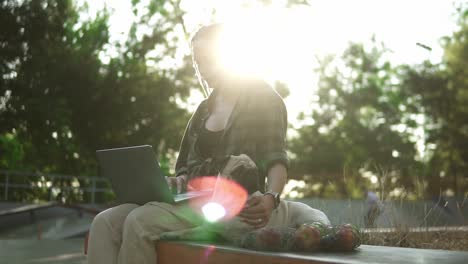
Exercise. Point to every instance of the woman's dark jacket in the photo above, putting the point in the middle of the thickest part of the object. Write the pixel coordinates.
(257, 127)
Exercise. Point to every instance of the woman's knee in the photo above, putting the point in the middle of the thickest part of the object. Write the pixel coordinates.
(99, 223)
(148, 221)
(117, 213)
(101, 229)
(112, 218)
(144, 222)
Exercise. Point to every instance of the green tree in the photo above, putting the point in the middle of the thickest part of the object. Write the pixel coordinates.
(441, 92)
(61, 101)
(353, 128)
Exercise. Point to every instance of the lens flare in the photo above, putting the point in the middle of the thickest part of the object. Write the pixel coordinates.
(209, 250)
(213, 211)
(226, 200)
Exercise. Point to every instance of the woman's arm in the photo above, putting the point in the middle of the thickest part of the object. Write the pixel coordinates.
(272, 141)
(181, 163)
(185, 145)
(273, 159)
(258, 209)
(277, 177)
(180, 180)
(181, 168)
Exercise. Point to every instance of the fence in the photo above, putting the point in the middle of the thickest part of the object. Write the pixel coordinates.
(9, 183)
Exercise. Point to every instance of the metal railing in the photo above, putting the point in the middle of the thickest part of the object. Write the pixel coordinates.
(8, 183)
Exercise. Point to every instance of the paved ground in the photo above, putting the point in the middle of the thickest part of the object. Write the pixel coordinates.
(67, 251)
(70, 251)
(183, 252)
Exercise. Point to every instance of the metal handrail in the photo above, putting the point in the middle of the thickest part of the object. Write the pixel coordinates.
(50, 176)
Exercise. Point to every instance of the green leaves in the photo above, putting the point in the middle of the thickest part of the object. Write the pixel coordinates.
(353, 126)
(398, 126)
(66, 102)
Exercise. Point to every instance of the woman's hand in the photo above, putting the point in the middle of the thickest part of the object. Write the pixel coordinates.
(179, 182)
(257, 210)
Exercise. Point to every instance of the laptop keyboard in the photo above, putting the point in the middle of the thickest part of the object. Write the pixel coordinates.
(187, 195)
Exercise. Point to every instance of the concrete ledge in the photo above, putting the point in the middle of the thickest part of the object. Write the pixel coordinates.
(190, 252)
(27, 208)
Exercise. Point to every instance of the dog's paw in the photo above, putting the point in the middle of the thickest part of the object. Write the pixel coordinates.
(170, 236)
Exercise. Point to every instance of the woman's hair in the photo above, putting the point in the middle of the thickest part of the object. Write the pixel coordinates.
(210, 33)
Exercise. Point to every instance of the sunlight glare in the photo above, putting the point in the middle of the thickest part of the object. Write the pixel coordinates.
(269, 43)
(213, 211)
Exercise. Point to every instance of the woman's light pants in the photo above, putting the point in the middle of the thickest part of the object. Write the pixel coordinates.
(127, 233)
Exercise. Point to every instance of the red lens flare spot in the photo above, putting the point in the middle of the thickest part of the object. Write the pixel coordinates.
(227, 193)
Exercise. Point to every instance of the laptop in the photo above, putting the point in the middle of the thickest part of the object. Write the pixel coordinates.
(136, 177)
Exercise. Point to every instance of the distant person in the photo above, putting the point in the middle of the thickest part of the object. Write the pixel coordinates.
(374, 209)
(443, 204)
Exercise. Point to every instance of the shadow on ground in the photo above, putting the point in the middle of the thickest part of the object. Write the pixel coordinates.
(69, 251)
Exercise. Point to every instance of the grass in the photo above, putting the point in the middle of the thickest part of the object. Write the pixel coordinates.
(452, 238)
(423, 236)
(411, 225)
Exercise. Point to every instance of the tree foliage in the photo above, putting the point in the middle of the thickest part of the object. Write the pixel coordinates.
(370, 118)
(441, 92)
(60, 100)
(353, 125)
(67, 89)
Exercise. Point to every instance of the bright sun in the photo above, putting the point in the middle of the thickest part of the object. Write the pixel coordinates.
(269, 43)
(283, 43)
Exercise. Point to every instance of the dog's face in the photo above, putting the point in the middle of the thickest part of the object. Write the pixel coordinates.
(244, 171)
(247, 177)
(241, 169)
